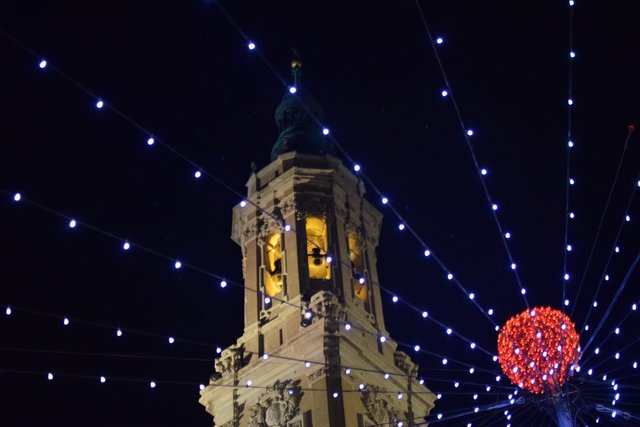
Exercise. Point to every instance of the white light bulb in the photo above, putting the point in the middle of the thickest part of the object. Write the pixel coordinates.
(597, 350)
(201, 387)
(498, 378)
(449, 331)
(483, 171)
(401, 227)
(265, 356)
(49, 376)
(627, 218)
(572, 54)
(292, 89)
(151, 141)
(347, 371)
(335, 395)
(439, 416)
(494, 207)
(152, 384)
(347, 326)
(416, 348)
(103, 380)
(287, 227)
(472, 295)
(361, 280)
(444, 93)
(595, 304)
(570, 101)
(42, 64)
(425, 314)
(472, 345)
(439, 40)
(471, 370)
(569, 248)
(572, 181)
(571, 2)
(449, 276)
(126, 246)
(325, 131)
(383, 338)
(570, 144)
(606, 277)
(566, 302)
(72, 223)
(617, 249)
(267, 300)
(490, 312)
(617, 356)
(171, 340)
(177, 265)
(218, 350)
(385, 200)
(469, 132)
(197, 174)
(356, 167)
(307, 364)
(507, 235)
(17, 197)
(251, 45)
(445, 361)
(243, 203)
(361, 386)
(456, 384)
(249, 383)
(513, 265)
(386, 376)
(8, 311)
(118, 332)
(65, 321)
(566, 276)
(634, 307)
(617, 331)
(99, 104)
(329, 259)
(427, 252)
(223, 284)
(572, 215)
(394, 299)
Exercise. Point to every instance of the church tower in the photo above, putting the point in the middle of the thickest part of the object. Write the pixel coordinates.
(315, 350)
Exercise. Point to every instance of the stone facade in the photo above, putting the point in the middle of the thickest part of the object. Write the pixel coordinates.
(262, 380)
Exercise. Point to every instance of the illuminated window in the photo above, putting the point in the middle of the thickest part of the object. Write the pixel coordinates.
(273, 267)
(357, 266)
(317, 244)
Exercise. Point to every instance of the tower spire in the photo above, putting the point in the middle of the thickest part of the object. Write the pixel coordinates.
(299, 119)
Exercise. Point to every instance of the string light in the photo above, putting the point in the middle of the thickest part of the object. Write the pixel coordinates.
(50, 376)
(8, 311)
(385, 200)
(223, 284)
(325, 131)
(401, 227)
(439, 40)
(103, 380)
(197, 174)
(42, 64)
(171, 340)
(118, 332)
(152, 384)
(292, 90)
(151, 141)
(444, 93)
(177, 265)
(65, 321)
(72, 223)
(243, 203)
(251, 45)
(17, 197)
(427, 252)
(469, 132)
(99, 104)
(126, 246)
(483, 172)
(356, 167)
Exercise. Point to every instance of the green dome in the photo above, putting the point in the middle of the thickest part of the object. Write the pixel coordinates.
(299, 119)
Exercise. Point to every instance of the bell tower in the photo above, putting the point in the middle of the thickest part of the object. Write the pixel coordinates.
(315, 350)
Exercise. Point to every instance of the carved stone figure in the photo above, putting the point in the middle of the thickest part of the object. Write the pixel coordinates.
(377, 407)
(278, 405)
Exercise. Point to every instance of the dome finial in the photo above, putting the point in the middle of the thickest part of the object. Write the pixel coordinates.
(296, 69)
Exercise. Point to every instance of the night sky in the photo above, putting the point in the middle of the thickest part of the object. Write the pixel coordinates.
(181, 71)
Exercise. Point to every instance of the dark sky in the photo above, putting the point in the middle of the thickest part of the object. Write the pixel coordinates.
(181, 70)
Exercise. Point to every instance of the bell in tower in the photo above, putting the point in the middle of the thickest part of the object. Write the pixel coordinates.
(315, 350)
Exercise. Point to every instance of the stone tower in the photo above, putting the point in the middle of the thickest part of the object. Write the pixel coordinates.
(315, 350)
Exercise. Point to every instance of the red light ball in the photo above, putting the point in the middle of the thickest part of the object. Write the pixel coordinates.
(536, 352)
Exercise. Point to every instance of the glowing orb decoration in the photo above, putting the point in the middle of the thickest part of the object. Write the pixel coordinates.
(538, 349)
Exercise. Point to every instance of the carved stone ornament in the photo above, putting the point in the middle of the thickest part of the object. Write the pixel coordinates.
(377, 408)
(278, 405)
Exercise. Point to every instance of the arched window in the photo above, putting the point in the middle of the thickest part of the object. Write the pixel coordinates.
(317, 245)
(273, 265)
(356, 256)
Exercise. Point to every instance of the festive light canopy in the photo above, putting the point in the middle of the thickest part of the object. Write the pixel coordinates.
(538, 348)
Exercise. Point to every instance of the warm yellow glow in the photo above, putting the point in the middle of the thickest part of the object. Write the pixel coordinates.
(317, 248)
(273, 267)
(357, 264)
